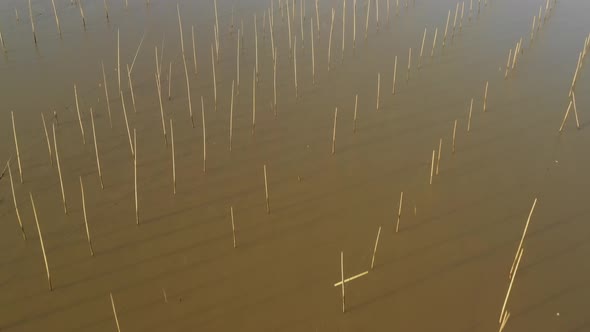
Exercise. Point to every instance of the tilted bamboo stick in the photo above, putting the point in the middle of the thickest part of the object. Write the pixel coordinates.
(115, 313)
(233, 227)
(439, 152)
(96, 150)
(61, 182)
(342, 277)
(47, 138)
(173, 158)
(356, 100)
(106, 92)
(135, 176)
(204, 136)
(524, 232)
(188, 93)
(334, 131)
(399, 212)
(41, 241)
(131, 89)
(434, 42)
(214, 80)
(231, 116)
(266, 191)
(375, 248)
(32, 22)
(394, 75)
(20, 169)
(57, 18)
(79, 116)
(85, 218)
(18, 218)
(330, 40)
(126, 122)
(454, 135)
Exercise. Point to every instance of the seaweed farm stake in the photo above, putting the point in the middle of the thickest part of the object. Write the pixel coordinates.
(434, 42)
(20, 223)
(312, 55)
(173, 158)
(469, 119)
(188, 90)
(394, 74)
(399, 211)
(96, 150)
(204, 136)
(454, 134)
(135, 176)
(343, 26)
(356, 100)
(524, 232)
(334, 131)
(446, 29)
(41, 241)
(106, 9)
(118, 59)
(85, 218)
(231, 115)
(214, 80)
(367, 22)
(508, 63)
(485, 97)
(375, 248)
(115, 312)
(422, 49)
(432, 166)
(233, 227)
(342, 276)
(20, 169)
(47, 138)
(354, 25)
(131, 89)
(170, 79)
(409, 65)
(126, 122)
(106, 92)
(32, 22)
(254, 100)
(378, 88)
(330, 40)
(511, 283)
(266, 191)
(238, 64)
(295, 67)
(61, 182)
(161, 107)
(438, 158)
(79, 116)
(57, 18)
(194, 49)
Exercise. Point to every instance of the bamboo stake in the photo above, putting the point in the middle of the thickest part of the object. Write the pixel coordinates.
(295, 68)
(115, 312)
(343, 26)
(194, 49)
(161, 107)
(106, 92)
(575, 110)
(231, 115)
(485, 97)
(20, 170)
(254, 102)
(508, 63)
(204, 136)
(289, 31)
(434, 42)
(126, 122)
(362, 274)
(2, 43)
(533, 28)
(47, 138)
(214, 80)
(330, 40)
(136, 52)
(233, 227)
(312, 55)
(119, 60)
(96, 149)
(356, 100)
(334, 131)
(470, 9)
(374, 249)
(275, 82)
(378, 89)
(32, 22)
(61, 182)
(217, 31)
(16, 14)
(188, 91)
(301, 18)
(409, 65)
(57, 18)
(354, 25)
(79, 116)
(432, 165)
(106, 9)
(266, 191)
(173, 158)
(524, 232)
(454, 134)
(170, 79)
(20, 223)
(422, 49)
(469, 119)
(367, 22)
(567, 112)
(399, 211)
(85, 218)
(438, 158)
(461, 20)
(317, 17)
(238, 64)
(256, 46)
(377, 13)
(342, 275)
(504, 321)
(394, 75)
(511, 283)
(446, 29)
(131, 89)
(41, 241)
(135, 176)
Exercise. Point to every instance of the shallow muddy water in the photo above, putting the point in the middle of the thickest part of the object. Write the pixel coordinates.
(445, 270)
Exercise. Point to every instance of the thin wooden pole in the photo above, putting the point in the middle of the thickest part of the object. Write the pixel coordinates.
(217, 31)
(455, 21)
(289, 29)
(85, 217)
(106, 92)
(444, 42)
(188, 92)
(173, 158)
(354, 25)
(231, 116)
(356, 100)
(214, 80)
(312, 54)
(524, 232)
(409, 65)
(511, 283)
(256, 46)
(115, 312)
(170, 79)
(422, 49)
(438, 158)
(233, 227)
(266, 191)
(20, 169)
(461, 20)
(567, 112)
(469, 119)
(454, 135)
(330, 40)
(61, 183)
(238, 64)
(20, 222)
(343, 27)
(32, 22)
(377, 14)
(334, 131)
(106, 9)
(295, 67)
(131, 89)
(96, 149)
(399, 211)
(2, 43)
(367, 21)
(126, 122)
(119, 60)
(47, 139)
(57, 18)
(41, 241)
(204, 136)
(136, 53)
(180, 28)
(485, 97)
(434, 42)
(575, 110)
(254, 99)
(301, 18)
(342, 276)
(375, 248)
(135, 176)
(432, 165)
(378, 89)
(194, 49)
(349, 279)
(533, 28)
(394, 75)
(317, 17)
(508, 63)
(274, 79)
(79, 116)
